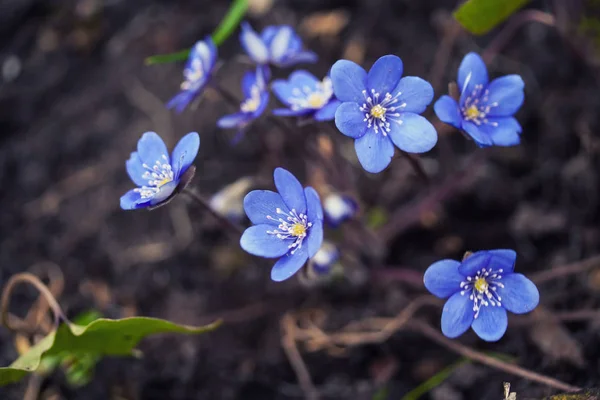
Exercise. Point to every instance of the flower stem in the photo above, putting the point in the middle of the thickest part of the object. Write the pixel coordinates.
(415, 163)
(232, 226)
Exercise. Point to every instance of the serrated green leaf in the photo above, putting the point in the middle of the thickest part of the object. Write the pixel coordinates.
(100, 337)
(228, 25)
(481, 16)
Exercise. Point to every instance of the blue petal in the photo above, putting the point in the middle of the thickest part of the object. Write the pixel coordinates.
(415, 92)
(519, 294)
(248, 80)
(164, 193)
(259, 204)
(503, 259)
(446, 109)
(290, 189)
(414, 135)
(481, 138)
(302, 78)
(233, 120)
(502, 131)
(384, 75)
(350, 120)
(491, 323)
(206, 51)
(374, 151)
(457, 315)
(253, 44)
(255, 240)
(269, 33)
(442, 278)
(327, 113)
(280, 43)
(300, 57)
(507, 93)
(181, 100)
(314, 238)
(184, 153)
(135, 169)
(314, 209)
(289, 264)
(297, 80)
(472, 72)
(284, 112)
(475, 262)
(132, 200)
(349, 81)
(151, 149)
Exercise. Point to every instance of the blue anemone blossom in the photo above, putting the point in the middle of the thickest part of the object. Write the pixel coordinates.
(338, 208)
(324, 259)
(277, 45)
(197, 73)
(305, 95)
(155, 173)
(381, 109)
(287, 225)
(480, 290)
(256, 95)
(485, 109)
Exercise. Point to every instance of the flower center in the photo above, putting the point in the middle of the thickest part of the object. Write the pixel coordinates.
(311, 98)
(377, 111)
(380, 113)
(476, 107)
(482, 289)
(252, 103)
(481, 285)
(292, 226)
(193, 74)
(160, 174)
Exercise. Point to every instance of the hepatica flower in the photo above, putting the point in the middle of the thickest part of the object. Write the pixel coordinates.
(480, 290)
(325, 259)
(155, 173)
(197, 73)
(256, 100)
(381, 109)
(277, 45)
(338, 208)
(287, 225)
(305, 95)
(485, 109)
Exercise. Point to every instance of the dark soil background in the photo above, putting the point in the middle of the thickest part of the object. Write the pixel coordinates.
(75, 96)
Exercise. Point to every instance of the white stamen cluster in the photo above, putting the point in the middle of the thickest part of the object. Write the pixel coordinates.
(193, 74)
(476, 107)
(252, 103)
(380, 113)
(482, 289)
(311, 98)
(291, 226)
(156, 176)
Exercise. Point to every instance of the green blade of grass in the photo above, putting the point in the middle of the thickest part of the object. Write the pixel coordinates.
(226, 27)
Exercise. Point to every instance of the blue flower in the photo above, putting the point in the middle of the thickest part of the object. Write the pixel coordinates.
(324, 259)
(306, 95)
(485, 110)
(381, 109)
(480, 290)
(197, 73)
(155, 173)
(287, 225)
(338, 208)
(256, 100)
(277, 45)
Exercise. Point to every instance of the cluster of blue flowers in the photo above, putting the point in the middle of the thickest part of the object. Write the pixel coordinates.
(381, 110)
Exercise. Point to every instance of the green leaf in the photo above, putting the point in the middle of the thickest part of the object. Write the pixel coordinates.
(228, 25)
(434, 381)
(100, 337)
(481, 16)
(376, 217)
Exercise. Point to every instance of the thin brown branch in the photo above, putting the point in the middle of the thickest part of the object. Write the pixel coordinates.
(566, 270)
(226, 222)
(465, 351)
(416, 165)
(288, 342)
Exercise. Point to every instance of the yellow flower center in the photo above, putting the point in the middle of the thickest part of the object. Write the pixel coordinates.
(298, 230)
(472, 112)
(316, 100)
(481, 285)
(377, 111)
